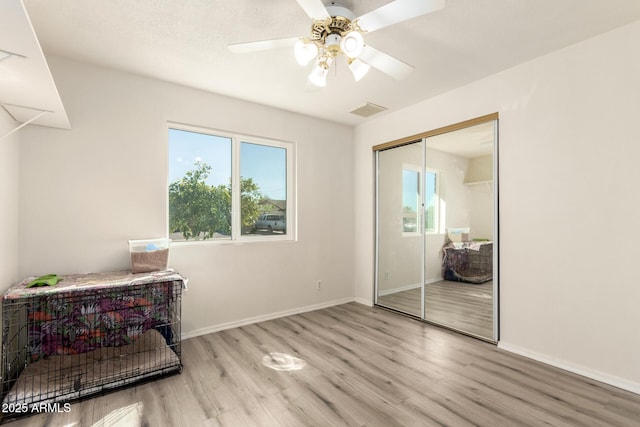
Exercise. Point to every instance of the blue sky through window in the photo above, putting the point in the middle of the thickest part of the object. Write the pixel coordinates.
(410, 189)
(410, 185)
(265, 164)
(431, 189)
(187, 148)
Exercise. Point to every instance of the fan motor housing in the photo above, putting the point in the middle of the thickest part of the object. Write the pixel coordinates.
(335, 9)
(339, 24)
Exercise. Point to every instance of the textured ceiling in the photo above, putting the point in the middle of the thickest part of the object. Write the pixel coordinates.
(185, 42)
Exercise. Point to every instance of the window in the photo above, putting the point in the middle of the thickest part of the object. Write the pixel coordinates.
(228, 187)
(411, 200)
(432, 201)
(263, 169)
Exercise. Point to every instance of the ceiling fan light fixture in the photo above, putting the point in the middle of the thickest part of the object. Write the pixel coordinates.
(358, 68)
(304, 51)
(336, 31)
(318, 75)
(352, 44)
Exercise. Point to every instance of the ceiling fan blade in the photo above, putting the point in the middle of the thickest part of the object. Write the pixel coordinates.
(314, 8)
(386, 63)
(397, 11)
(262, 45)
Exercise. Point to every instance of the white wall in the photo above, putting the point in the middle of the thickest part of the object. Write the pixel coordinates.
(9, 156)
(86, 191)
(481, 219)
(480, 197)
(568, 200)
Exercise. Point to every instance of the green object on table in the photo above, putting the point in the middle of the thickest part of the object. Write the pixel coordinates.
(46, 280)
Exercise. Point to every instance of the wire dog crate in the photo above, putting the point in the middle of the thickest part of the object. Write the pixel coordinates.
(472, 262)
(88, 334)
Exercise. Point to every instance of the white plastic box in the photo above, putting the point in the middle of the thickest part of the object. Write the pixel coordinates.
(149, 255)
(458, 235)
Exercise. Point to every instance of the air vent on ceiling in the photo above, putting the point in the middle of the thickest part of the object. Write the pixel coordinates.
(368, 110)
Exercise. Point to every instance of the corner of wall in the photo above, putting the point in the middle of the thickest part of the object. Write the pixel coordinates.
(9, 192)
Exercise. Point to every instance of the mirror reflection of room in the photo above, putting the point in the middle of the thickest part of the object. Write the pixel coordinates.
(400, 241)
(436, 235)
(459, 257)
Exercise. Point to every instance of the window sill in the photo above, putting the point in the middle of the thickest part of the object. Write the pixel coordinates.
(241, 241)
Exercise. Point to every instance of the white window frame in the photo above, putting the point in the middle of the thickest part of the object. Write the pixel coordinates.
(437, 229)
(419, 208)
(236, 140)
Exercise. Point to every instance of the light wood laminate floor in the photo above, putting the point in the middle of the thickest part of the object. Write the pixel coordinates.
(464, 306)
(365, 367)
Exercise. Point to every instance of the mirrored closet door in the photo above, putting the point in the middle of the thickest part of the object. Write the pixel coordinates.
(400, 238)
(436, 227)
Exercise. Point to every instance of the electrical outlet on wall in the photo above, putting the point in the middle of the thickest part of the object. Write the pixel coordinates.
(319, 284)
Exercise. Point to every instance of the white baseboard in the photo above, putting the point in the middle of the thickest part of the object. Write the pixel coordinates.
(400, 289)
(363, 301)
(263, 318)
(603, 377)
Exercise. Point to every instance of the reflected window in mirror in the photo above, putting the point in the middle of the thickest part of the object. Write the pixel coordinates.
(432, 201)
(411, 195)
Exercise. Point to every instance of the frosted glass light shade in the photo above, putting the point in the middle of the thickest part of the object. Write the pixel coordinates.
(318, 76)
(319, 72)
(352, 44)
(358, 68)
(305, 52)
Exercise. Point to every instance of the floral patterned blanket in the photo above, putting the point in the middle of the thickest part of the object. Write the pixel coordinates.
(86, 312)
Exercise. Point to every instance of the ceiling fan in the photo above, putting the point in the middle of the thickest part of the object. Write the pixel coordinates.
(335, 30)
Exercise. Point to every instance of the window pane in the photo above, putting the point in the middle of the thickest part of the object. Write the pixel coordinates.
(431, 199)
(199, 186)
(410, 200)
(263, 187)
